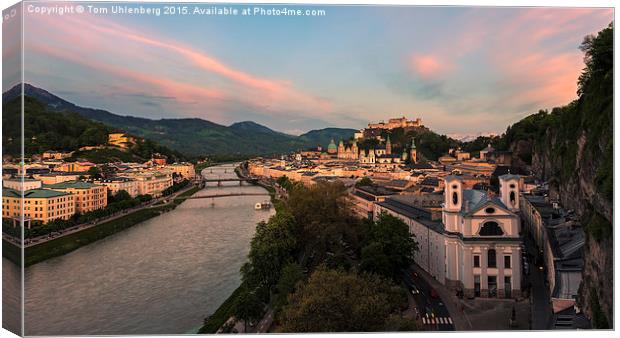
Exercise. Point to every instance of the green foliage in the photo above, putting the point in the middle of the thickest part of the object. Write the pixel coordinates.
(273, 246)
(248, 307)
(285, 183)
(364, 182)
(588, 119)
(175, 187)
(339, 301)
(326, 222)
(44, 130)
(292, 274)
(390, 247)
(66, 131)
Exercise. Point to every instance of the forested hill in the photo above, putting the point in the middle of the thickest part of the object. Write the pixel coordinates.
(67, 131)
(572, 148)
(192, 136)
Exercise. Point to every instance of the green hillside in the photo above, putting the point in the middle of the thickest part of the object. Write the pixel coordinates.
(67, 131)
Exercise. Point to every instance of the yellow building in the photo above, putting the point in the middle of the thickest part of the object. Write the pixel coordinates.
(120, 140)
(55, 155)
(75, 166)
(152, 183)
(56, 177)
(21, 183)
(88, 196)
(39, 205)
(186, 170)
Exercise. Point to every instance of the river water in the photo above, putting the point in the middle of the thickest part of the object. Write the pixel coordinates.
(160, 276)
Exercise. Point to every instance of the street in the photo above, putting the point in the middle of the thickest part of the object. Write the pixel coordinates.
(431, 309)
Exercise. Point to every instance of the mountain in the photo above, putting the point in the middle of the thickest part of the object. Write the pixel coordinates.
(250, 126)
(324, 136)
(192, 136)
(67, 131)
(571, 147)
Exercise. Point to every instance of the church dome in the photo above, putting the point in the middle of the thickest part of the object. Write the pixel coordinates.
(332, 148)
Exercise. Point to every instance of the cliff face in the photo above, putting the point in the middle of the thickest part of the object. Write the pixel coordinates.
(572, 149)
(580, 193)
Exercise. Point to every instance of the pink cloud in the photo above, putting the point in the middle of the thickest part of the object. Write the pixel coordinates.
(102, 44)
(429, 66)
(529, 59)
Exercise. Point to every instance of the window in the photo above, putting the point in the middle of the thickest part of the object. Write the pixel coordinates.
(491, 229)
(512, 197)
(491, 262)
(455, 198)
(476, 261)
(507, 262)
(489, 210)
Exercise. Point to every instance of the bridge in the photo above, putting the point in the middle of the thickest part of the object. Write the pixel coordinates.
(220, 180)
(223, 195)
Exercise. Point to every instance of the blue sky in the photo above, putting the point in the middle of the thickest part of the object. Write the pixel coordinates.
(461, 69)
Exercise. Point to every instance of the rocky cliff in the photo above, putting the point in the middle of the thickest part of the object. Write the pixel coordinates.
(572, 149)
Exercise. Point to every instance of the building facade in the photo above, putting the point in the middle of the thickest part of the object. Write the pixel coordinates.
(117, 184)
(476, 245)
(88, 196)
(38, 205)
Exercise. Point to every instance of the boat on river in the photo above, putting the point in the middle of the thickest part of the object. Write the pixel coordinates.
(262, 206)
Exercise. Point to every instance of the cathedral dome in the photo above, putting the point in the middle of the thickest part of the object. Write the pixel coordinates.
(332, 148)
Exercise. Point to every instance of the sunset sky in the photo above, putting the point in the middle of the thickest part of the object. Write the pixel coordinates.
(462, 70)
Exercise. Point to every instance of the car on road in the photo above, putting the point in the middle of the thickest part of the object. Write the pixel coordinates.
(434, 293)
(414, 290)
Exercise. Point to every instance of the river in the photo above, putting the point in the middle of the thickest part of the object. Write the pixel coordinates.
(162, 276)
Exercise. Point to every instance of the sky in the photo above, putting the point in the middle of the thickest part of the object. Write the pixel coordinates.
(463, 70)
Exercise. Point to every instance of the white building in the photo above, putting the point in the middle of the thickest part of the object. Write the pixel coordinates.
(121, 183)
(475, 245)
(21, 183)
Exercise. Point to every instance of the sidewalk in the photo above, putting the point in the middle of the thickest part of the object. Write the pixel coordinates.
(450, 300)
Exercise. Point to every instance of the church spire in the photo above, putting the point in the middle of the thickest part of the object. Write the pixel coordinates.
(414, 152)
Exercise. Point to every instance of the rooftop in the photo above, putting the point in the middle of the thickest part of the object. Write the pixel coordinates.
(404, 205)
(70, 185)
(33, 193)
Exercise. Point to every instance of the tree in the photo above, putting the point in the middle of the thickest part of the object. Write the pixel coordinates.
(285, 183)
(391, 247)
(272, 247)
(366, 181)
(291, 275)
(120, 196)
(326, 222)
(248, 308)
(338, 301)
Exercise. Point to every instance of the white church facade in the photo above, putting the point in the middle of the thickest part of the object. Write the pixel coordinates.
(475, 245)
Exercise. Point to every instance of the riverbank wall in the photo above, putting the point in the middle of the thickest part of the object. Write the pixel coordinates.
(65, 244)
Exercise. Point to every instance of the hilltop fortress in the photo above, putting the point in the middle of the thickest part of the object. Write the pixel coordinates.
(375, 129)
